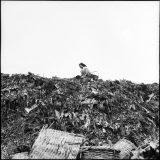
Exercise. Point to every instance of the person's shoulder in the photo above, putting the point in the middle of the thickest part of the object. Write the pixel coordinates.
(87, 70)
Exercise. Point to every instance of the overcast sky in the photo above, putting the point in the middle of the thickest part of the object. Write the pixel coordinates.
(119, 39)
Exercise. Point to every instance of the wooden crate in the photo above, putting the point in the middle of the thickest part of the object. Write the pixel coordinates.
(98, 152)
(54, 144)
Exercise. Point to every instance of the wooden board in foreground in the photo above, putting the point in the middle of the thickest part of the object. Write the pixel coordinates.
(54, 144)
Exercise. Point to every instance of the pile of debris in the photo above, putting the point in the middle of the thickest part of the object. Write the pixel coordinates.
(103, 111)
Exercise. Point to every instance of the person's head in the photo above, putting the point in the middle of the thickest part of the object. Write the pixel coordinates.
(81, 65)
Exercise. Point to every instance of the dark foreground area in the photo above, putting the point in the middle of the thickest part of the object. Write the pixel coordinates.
(103, 111)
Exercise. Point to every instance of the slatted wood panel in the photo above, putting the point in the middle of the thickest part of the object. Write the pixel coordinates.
(100, 153)
(54, 144)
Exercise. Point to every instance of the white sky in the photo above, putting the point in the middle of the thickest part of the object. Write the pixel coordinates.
(119, 39)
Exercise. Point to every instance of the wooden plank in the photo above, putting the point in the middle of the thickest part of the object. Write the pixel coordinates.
(54, 144)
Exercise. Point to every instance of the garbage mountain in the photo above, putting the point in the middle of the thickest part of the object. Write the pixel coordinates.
(103, 111)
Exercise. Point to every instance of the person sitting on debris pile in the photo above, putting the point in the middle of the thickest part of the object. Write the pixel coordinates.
(84, 70)
(85, 73)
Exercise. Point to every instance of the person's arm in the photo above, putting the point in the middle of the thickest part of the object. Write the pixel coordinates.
(85, 72)
(82, 74)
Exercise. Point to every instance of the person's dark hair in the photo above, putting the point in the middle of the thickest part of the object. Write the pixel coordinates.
(82, 64)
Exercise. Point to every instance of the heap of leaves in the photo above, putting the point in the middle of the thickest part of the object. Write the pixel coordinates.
(103, 111)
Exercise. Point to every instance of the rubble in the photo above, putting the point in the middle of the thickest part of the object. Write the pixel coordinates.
(103, 111)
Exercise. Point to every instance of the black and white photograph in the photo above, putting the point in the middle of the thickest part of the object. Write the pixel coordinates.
(80, 79)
